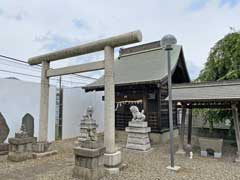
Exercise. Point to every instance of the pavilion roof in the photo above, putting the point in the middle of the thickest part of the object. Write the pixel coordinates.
(207, 91)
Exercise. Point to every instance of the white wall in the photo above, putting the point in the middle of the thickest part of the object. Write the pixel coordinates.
(18, 98)
(75, 102)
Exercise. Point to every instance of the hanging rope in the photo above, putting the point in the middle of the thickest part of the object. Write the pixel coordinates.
(120, 103)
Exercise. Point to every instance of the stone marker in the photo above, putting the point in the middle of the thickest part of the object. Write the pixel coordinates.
(138, 137)
(89, 153)
(4, 129)
(20, 147)
(28, 122)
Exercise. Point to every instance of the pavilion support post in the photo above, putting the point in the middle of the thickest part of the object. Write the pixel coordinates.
(44, 98)
(181, 133)
(189, 126)
(237, 129)
(112, 155)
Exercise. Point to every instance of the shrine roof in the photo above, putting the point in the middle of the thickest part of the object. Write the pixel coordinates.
(139, 65)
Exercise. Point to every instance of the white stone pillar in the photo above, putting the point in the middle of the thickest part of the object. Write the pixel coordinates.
(112, 156)
(43, 116)
(109, 100)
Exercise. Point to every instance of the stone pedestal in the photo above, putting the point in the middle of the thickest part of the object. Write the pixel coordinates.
(4, 148)
(213, 144)
(138, 137)
(89, 161)
(20, 149)
(87, 130)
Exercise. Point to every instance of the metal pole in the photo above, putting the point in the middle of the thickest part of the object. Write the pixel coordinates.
(170, 106)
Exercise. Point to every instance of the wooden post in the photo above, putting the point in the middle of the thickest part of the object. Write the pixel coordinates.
(189, 126)
(237, 129)
(145, 106)
(181, 134)
(43, 116)
(159, 106)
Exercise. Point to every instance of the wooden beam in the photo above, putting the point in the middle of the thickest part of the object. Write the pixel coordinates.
(76, 69)
(190, 126)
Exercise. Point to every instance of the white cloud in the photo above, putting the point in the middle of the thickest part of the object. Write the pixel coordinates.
(57, 24)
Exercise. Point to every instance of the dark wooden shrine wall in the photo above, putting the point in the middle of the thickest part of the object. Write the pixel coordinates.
(156, 110)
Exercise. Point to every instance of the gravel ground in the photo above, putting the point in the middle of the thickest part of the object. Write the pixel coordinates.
(140, 166)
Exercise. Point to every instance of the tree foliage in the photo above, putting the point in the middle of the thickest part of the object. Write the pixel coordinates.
(223, 63)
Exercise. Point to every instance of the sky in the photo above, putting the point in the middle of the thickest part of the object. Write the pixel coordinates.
(30, 28)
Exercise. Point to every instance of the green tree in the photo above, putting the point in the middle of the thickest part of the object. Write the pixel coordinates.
(223, 63)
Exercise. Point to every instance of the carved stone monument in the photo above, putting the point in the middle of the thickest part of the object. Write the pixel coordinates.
(4, 131)
(138, 137)
(20, 147)
(89, 153)
(28, 122)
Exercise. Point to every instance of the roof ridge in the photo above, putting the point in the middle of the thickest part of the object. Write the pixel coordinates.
(207, 84)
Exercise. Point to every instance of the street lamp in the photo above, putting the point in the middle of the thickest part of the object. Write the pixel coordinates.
(166, 42)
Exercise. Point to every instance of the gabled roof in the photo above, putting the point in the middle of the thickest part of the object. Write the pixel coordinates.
(208, 91)
(143, 67)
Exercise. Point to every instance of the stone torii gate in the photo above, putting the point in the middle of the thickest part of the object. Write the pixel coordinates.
(112, 156)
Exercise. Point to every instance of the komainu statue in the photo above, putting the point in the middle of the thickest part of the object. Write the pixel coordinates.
(137, 116)
(88, 126)
(89, 113)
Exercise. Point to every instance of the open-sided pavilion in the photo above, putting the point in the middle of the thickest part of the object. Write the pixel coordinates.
(221, 95)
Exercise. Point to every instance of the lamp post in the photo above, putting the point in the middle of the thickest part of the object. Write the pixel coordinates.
(166, 42)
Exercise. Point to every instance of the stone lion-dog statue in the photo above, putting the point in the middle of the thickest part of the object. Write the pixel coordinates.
(137, 116)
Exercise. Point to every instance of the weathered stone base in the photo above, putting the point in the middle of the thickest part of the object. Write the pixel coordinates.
(20, 149)
(141, 147)
(237, 159)
(4, 148)
(112, 160)
(44, 154)
(19, 156)
(138, 137)
(88, 174)
(40, 147)
(89, 161)
(175, 168)
(211, 144)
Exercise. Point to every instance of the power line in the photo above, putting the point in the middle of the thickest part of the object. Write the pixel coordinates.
(35, 76)
(24, 66)
(21, 61)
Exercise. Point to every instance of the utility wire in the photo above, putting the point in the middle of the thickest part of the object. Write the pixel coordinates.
(21, 61)
(35, 76)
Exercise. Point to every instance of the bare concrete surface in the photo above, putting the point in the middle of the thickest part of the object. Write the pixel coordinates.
(140, 166)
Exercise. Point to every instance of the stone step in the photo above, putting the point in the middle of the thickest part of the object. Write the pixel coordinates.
(138, 135)
(138, 124)
(138, 141)
(141, 141)
(138, 129)
(138, 146)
